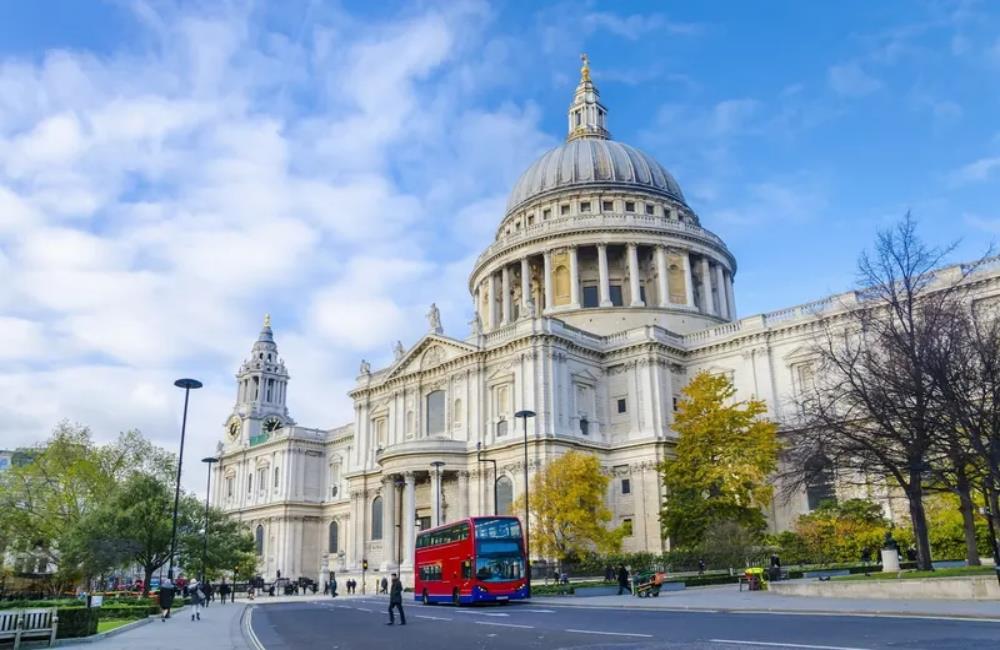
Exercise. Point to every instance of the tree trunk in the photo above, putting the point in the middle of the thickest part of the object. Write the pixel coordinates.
(918, 517)
(147, 577)
(968, 509)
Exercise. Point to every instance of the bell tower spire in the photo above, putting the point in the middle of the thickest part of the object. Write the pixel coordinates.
(263, 379)
(588, 118)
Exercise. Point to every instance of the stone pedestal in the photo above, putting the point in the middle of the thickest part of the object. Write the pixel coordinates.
(890, 560)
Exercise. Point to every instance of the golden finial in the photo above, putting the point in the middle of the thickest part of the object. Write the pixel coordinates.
(585, 70)
(267, 320)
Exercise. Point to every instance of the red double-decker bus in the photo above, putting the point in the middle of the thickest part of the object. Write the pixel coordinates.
(475, 560)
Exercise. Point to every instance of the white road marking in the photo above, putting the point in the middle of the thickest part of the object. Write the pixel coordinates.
(643, 636)
(362, 609)
(541, 611)
(770, 644)
(469, 611)
(525, 627)
(433, 618)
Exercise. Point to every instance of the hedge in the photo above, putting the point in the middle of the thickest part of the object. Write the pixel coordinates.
(77, 621)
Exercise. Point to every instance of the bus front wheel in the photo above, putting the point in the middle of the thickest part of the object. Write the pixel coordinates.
(424, 599)
(454, 598)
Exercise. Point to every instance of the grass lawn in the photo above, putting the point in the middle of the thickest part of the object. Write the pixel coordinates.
(112, 623)
(906, 575)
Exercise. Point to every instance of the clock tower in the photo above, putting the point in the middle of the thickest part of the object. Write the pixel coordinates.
(260, 396)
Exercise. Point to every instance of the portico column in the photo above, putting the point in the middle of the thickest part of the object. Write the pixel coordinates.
(633, 275)
(491, 320)
(409, 518)
(388, 522)
(574, 279)
(688, 280)
(730, 296)
(525, 286)
(720, 278)
(505, 292)
(661, 276)
(547, 257)
(706, 287)
(602, 270)
(463, 495)
(435, 497)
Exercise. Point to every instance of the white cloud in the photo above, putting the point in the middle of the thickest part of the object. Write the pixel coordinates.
(850, 79)
(976, 171)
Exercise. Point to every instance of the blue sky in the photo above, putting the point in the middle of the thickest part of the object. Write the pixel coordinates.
(171, 171)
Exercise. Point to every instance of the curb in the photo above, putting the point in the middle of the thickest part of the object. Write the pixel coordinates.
(245, 625)
(94, 638)
(982, 618)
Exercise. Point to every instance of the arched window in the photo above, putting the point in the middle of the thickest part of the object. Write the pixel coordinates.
(456, 414)
(435, 412)
(505, 495)
(259, 539)
(377, 518)
(560, 278)
(333, 545)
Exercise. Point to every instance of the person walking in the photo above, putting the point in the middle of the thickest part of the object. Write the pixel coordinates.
(623, 580)
(396, 601)
(333, 585)
(197, 599)
(223, 591)
(166, 598)
(385, 585)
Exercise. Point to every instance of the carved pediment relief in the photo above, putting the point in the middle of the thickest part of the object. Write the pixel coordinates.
(430, 352)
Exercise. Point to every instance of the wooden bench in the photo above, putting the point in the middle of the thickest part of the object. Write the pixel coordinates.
(24, 624)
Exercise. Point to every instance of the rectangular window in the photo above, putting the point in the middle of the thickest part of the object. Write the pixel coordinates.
(626, 486)
(531, 219)
(229, 487)
(649, 208)
(564, 209)
(642, 292)
(423, 523)
(585, 206)
(675, 404)
(502, 428)
(249, 483)
(590, 297)
(627, 526)
(629, 206)
(616, 295)
(275, 477)
(622, 405)
(546, 213)
(608, 206)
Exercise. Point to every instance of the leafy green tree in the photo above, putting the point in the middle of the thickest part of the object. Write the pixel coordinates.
(230, 542)
(725, 453)
(839, 532)
(568, 514)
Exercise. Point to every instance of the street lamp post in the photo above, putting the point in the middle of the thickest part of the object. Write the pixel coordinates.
(479, 456)
(437, 465)
(188, 385)
(524, 415)
(208, 491)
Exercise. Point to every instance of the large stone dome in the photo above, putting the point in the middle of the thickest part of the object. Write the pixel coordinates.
(587, 161)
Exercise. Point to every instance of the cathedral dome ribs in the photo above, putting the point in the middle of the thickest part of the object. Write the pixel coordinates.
(599, 234)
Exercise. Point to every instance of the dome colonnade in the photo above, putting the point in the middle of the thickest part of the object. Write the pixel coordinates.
(595, 227)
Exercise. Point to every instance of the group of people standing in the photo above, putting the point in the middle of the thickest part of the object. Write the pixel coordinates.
(200, 594)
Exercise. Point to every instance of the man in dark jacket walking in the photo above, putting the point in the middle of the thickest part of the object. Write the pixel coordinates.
(623, 586)
(396, 600)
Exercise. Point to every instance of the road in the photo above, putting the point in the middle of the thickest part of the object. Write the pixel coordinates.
(359, 624)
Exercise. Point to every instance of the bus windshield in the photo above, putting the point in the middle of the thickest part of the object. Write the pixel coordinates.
(499, 568)
(498, 550)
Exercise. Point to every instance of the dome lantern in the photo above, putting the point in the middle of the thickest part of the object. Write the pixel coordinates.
(588, 118)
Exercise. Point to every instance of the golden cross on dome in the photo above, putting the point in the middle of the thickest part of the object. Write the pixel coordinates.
(585, 70)
(267, 320)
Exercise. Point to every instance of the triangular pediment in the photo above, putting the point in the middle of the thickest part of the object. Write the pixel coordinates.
(429, 352)
(799, 355)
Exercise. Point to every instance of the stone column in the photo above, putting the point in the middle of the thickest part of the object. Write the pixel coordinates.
(662, 287)
(463, 495)
(602, 269)
(409, 518)
(633, 275)
(388, 523)
(505, 289)
(490, 314)
(435, 497)
(720, 278)
(688, 280)
(574, 279)
(547, 256)
(525, 286)
(706, 287)
(730, 296)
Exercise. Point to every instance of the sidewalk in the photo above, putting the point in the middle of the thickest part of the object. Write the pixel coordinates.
(728, 598)
(219, 628)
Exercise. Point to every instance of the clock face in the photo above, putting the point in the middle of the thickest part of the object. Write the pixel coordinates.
(272, 424)
(233, 428)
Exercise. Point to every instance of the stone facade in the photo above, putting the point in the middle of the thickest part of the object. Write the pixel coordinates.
(601, 296)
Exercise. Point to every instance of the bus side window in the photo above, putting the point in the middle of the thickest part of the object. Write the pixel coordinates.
(467, 569)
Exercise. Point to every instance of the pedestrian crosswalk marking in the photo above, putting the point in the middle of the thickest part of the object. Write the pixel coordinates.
(433, 618)
(525, 627)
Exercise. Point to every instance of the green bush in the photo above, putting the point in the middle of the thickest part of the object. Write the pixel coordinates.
(128, 611)
(76, 622)
(23, 604)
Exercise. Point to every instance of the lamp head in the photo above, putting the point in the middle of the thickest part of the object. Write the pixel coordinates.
(525, 414)
(188, 384)
(210, 460)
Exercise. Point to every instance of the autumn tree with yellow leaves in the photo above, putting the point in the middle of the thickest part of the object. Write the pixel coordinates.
(568, 515)
(726, 451)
